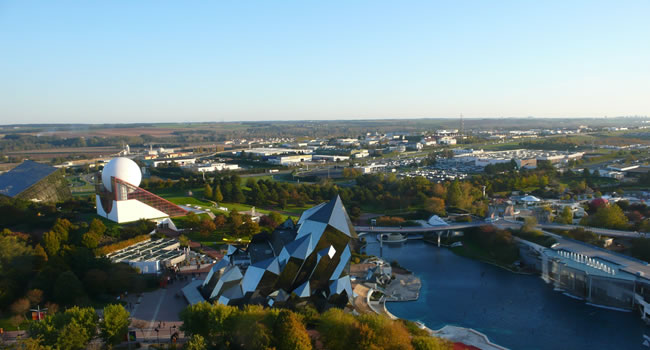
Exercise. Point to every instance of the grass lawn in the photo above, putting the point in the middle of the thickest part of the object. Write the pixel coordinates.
(5, 323)
(189, 200)
(471, 250)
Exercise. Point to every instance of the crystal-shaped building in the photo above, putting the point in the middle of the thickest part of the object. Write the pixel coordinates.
(307, 260)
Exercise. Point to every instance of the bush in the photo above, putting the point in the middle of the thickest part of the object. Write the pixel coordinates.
(107, 249)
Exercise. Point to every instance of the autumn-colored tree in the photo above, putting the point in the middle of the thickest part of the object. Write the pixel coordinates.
(52, 243)
(206, 227)
(90, 239)
(249, 227)
(431, 343)
(220, 221)
(436, 206)
(35, 296)
(97, 226)
(290, 333)
(207, 192)
(20, 307)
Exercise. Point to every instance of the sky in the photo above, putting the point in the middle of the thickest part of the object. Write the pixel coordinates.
(183, 61)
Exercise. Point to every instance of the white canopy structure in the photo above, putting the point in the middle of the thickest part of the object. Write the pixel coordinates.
(530, 199)
(435, 220)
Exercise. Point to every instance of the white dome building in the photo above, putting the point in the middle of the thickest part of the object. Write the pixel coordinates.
(122, 168)
(119, 198)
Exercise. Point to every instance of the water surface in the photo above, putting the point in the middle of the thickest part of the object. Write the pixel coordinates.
(513, 310)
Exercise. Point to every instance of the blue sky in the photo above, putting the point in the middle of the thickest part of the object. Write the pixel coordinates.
(156, 61)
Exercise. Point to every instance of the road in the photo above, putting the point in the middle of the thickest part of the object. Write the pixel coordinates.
(600, 231)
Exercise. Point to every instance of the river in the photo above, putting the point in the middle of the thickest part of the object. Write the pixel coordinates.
(513, 310)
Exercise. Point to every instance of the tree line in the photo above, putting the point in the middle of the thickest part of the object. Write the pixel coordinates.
(217, 326)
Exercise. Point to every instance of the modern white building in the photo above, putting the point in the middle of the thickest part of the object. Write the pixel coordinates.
(447, 140)
(291, 159)
(211, 167)
(151, 256)
(179, 161)
(330, 158)
(118, 197)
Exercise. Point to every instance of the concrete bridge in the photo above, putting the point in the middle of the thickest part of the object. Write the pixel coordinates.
(501, 224)
(418, 229)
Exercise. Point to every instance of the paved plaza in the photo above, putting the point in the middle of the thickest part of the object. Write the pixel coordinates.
(160, 310)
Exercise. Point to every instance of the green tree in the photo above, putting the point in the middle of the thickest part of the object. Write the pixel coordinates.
(226, 190)
(115, 324)
(238, 195)
(336, 328)
(207, 320)
(455, 195)
(217, 196)
(207, 192)
(530, 223)
(276, 217)
(67, 288)
(72, 336)
(290, 333)
(72, 329)
(431, 343)
(51, 243)
(97, 226)
(184, 241)
(609, 216)
(62, 229)
(196, 342)
(193, 220)
(35, 343)
(566, 216)
(90, 239)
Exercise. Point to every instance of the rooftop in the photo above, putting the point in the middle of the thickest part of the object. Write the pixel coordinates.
(154, 250)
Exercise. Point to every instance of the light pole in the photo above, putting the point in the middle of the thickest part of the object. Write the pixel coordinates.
(157, 335)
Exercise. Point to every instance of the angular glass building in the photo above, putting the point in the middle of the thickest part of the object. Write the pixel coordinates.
(307, 260)
(35, 182)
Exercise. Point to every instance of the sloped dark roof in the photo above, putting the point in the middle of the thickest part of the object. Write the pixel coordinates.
(332, 213)
(23, 177)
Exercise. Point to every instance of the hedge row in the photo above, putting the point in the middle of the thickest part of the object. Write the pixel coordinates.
(107, 249)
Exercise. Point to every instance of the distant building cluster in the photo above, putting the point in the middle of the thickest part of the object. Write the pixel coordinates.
(523, 157)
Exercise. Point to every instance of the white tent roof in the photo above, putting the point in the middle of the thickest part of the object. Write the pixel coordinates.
(435, 220)
(530, 199)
